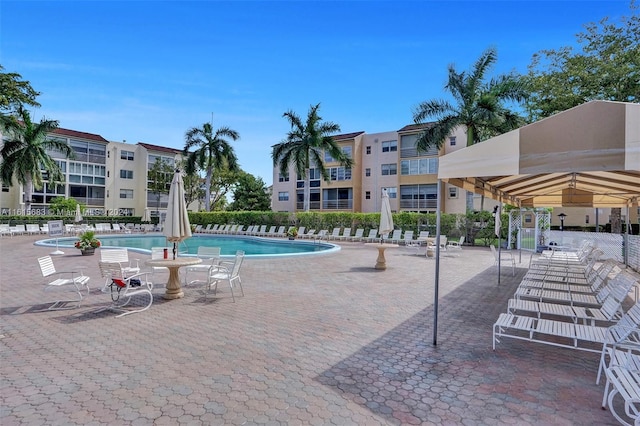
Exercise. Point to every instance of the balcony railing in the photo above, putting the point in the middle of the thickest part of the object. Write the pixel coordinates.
(418, 204)
(337, 204)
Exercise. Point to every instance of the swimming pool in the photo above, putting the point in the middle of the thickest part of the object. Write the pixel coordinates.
(252, 246)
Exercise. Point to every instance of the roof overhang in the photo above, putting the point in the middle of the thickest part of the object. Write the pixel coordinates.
(588, 156)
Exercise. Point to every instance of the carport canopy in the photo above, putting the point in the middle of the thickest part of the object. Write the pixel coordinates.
(587, 156)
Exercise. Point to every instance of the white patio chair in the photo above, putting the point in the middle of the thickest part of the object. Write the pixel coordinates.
(210, 257)
(123, 289)
(226, 271)
(504, 257)
(73, 279)
(121, 256)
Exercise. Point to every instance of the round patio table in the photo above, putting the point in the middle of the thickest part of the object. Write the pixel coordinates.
(381, 262)
(174, 291)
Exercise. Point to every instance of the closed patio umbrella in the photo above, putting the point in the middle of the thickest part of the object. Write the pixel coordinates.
(78, 217)
(176, 225)
(386, 219)
(146, 217)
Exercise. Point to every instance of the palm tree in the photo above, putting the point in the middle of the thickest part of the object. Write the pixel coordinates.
(479, 105)
(214, 152)
(24, 154)
(304, 146)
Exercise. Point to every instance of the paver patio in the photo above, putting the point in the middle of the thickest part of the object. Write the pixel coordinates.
(317, 340)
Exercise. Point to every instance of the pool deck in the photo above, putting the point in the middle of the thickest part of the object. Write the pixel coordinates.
(317, 340)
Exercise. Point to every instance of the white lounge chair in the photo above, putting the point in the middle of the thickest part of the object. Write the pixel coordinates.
(565, 334)
(455, 245)
(395, 236)
(407, 238)
(308, 235)
(346, 234)
(72, 279)
(334, 234)
(359, 235)
(123, 289)
(373, 236)
(33, 228)
(625, 382)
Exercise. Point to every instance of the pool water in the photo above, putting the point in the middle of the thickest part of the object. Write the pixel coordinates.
(229, 244)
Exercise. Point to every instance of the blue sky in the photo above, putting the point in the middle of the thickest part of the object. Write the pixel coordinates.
(147, 71)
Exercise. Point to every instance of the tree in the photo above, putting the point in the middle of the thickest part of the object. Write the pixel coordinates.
(193, 186)
(604, 66)
(304, 146)
(15, 93)
(214, 153)
(24, 153)
(159, 179)
(250, 194)
(479, 105)
(63, 206)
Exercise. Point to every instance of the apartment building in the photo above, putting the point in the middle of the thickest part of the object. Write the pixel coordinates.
(106, 177)
(382, 160)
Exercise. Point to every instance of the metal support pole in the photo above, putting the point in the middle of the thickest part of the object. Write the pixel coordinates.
(437, 279)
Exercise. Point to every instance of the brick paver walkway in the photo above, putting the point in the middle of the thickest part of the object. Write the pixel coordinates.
(316, 340)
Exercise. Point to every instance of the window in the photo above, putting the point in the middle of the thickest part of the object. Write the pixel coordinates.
(422, 166)
(126, 174)
(389, 146)
(339, 173)
(5, 188)
(367, 172)
(392, 192)
(346, 150)
(389, 169)
(283, 196)
(87, 173)
(126, 193)
(453, 192)
(408, 147)
(418, 197)
(528, 218)
(126, 155)
(283, 177)
(368, 149)
(338, 198)
(452, 141)
(367, 195)
(586, 219)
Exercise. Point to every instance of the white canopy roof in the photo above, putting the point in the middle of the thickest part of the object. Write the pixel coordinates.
(587, 156)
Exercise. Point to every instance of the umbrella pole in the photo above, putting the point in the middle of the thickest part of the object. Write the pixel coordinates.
(174, 251)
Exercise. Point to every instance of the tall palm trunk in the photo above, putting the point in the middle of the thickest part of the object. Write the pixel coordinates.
(307, 191)
(207, 190)
(28, 192)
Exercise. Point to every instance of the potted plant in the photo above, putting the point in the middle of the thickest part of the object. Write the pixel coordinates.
(87, 243)
(292, 233)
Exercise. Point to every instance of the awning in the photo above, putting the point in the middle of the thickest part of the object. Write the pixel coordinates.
(588, 156)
